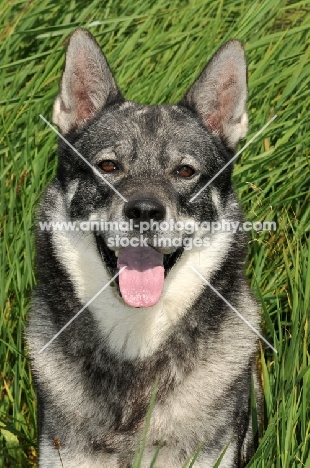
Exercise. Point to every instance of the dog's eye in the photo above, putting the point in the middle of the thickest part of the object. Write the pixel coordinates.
(108, 166)
(185, 171)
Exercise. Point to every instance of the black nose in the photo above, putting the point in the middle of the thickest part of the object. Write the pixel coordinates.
(145, 210)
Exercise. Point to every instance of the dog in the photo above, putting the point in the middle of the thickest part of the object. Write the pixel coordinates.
(149, 305)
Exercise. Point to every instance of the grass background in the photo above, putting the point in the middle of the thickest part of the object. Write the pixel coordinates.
(156, 49)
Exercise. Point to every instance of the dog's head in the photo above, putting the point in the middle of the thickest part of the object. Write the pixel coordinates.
(147, 162)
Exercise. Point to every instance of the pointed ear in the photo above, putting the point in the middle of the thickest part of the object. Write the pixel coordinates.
(87, 83)
(219, 95)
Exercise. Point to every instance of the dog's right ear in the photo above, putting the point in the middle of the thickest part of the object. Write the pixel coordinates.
(87, 83)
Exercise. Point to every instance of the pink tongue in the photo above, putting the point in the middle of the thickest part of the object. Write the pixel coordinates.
(141, 283)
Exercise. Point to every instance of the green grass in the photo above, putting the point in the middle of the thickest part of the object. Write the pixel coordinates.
(156, 49)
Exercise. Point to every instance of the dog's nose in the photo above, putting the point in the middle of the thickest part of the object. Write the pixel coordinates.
(145, 210)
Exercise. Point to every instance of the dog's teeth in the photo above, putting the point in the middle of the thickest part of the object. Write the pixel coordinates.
(116, 253)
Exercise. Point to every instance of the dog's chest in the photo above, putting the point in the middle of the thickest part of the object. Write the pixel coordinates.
(180, 421)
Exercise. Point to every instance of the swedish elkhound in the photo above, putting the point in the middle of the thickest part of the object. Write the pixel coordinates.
(145, 176)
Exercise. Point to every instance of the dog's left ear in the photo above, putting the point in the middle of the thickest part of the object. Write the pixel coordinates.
(219, 95)
(87, 83)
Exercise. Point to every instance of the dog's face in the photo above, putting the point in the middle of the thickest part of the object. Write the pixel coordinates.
(153, 159)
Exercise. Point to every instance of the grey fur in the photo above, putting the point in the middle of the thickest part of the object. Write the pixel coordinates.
(94, 382)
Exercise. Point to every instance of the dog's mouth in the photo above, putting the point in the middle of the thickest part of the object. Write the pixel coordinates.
(141, 282)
